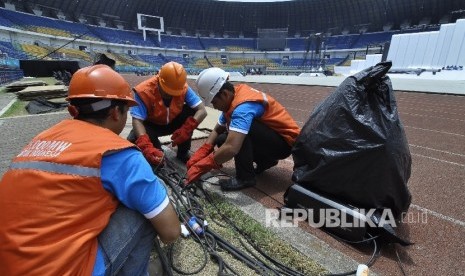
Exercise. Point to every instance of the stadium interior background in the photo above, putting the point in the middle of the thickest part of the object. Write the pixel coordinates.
(289, 37)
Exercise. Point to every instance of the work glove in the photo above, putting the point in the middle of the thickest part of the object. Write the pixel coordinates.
(201, 153)
(183, 134)
(201, 167)
(153, 155)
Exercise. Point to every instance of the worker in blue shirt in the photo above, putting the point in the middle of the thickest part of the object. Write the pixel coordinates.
(79, 199)
(167, 105)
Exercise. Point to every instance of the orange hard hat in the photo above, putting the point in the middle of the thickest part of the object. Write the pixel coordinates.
(172, 78)
(99, 82)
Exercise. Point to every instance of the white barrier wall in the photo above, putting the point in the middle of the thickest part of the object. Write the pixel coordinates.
(429, 50)
(358, 65)
(456, 43)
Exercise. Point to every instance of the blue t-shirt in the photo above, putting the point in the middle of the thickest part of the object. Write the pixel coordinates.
(140, 111)
(242, 116)
(127, 175)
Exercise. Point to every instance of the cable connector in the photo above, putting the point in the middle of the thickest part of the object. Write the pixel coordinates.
(184, 232)
(362, 270)
(194, 225)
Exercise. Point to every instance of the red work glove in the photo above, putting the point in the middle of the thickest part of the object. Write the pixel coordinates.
(203, 166)
(183, 134)
(152, 154)
(201, 153)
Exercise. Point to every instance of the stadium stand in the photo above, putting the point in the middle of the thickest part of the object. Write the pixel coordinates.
(201, 46)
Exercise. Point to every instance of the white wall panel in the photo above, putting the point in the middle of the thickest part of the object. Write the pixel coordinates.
(440, 43)
(393, 47)
(456, 43)
(430, 49)
(410, 50)
(403, 44)
(461, 58)
(449, 32)
(417, 61)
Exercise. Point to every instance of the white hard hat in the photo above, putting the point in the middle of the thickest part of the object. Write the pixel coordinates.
(209, 83)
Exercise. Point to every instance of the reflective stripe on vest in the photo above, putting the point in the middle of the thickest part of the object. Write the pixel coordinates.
(56, 168)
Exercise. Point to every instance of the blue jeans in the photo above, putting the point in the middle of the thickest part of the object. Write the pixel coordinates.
(127, 242)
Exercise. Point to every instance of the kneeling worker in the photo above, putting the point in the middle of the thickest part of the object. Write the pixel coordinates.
(253, 127)
(79, 199)
(167, 105)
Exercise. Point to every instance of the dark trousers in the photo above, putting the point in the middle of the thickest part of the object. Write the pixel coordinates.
(262, 145)
(154, 131)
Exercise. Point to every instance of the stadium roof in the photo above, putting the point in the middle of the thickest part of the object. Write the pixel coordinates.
(220, 17)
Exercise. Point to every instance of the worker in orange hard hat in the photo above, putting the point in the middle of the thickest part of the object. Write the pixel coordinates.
(167, 106)
(79, 199)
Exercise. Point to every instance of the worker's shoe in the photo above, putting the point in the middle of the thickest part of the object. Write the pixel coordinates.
(234, 184)
(183, 156)
(261, 167)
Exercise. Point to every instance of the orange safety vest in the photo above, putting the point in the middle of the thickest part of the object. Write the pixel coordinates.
(275, 116)
(52, 201)
(157, 112)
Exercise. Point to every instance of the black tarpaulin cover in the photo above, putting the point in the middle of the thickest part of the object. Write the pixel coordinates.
(353, 148)
(41, 105)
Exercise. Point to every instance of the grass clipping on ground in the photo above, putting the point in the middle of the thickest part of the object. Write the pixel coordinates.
(188, 255)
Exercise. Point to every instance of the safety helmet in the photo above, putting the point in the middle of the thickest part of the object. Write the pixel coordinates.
(99, 82)
(210, 82)
(172, 78)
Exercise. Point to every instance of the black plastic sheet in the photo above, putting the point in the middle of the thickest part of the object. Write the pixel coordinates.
(353, 148)
(41, 105)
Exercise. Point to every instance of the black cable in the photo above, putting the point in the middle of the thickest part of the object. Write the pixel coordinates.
(370, 262)
(69, 42)
(164, 261)
(181, 194)
(280, 265)
(180, 271)
(198, 240)
(258, 267)
(281, 272)
(185, 196)
(399, 262)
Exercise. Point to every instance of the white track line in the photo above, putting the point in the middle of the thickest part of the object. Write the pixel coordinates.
(436, 117)
(443, 151)
(438, 131)
(436, 111)
(5, 109)
(438, 215)
(440, 160)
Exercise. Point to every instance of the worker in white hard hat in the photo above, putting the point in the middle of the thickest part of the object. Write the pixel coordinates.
(252, 128)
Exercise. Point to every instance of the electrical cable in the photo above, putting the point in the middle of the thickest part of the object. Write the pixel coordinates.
(282, 266)
(281, 272)
(62, 46)
(370, 262)
(184, 197)
(372, 259)
(164, 261)
(399, 262)
(258, 267)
